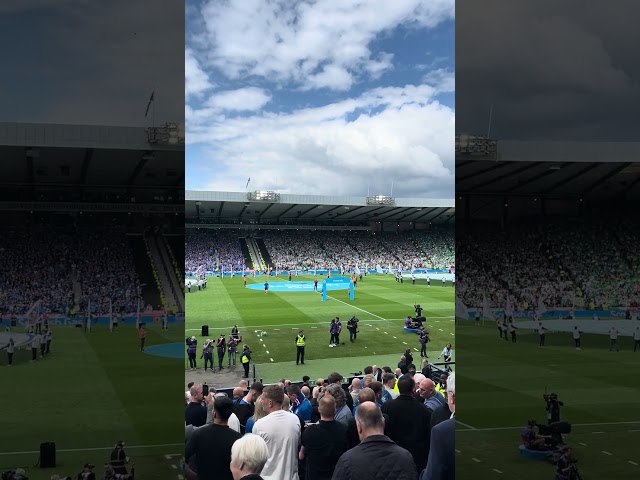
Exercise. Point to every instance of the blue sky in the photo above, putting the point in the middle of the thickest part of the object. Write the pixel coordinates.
(329, 97)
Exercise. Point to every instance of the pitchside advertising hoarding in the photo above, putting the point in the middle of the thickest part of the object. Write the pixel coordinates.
(154, 316)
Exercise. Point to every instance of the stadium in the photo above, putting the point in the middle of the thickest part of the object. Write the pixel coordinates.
(546, 235)
(92, 227)
(374, 258)
(228, 233)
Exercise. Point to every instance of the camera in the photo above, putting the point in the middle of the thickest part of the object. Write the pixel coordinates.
(205, 389)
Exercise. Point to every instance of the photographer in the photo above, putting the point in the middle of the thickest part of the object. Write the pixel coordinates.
(566, 466)
(119, 459)
(192, 347)
(352, 326)
(552, 408)
(207, 354)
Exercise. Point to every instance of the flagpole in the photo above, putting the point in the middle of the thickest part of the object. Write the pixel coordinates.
(110, 315)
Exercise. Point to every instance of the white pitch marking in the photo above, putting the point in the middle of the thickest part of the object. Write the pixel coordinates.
(276, 329)
(451, 333)
(168, 457)
(466, 425)
(404, 343)
(496, 470)
(634, 431)
(633, 463)
(395, 337)
(174, 466)
(458, 451)
(386, 333)
(475, 460)
(377, 328)
(362, 310)
(583, 444)
(267, 352)
(606, 453)
(271, 359)
(31, 452)
(573, 425)
(415, 349)
(441, 330)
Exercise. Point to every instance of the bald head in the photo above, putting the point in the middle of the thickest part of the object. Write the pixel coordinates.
(355, 384)
(369, 420)
(427, 389)
(305, 391)
(238, 392)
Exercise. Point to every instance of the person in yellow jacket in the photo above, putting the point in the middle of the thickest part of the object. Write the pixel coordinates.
(245, 359)
(300, 343)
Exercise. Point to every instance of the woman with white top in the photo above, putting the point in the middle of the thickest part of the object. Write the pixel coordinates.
(446, 353)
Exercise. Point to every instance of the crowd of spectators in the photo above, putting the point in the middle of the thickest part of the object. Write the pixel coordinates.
(561, 264)
(310, 250)
(210, 251)
(36, 265)
(42, 263)
(386, 425)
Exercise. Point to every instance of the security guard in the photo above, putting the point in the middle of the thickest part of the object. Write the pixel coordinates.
(300, 341)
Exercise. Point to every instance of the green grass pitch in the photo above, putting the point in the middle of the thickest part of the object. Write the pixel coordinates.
(380, 303)
(500, 386)
(93, 390)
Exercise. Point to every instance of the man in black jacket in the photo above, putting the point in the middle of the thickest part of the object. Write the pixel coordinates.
(212, 443)
(409, 422)
(377, 457)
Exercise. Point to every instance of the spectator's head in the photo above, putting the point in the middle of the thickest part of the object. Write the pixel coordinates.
(369, 420)
(255, 391)
(335, 377)
(355, 384)
(306, 379)
(259, 412)
(287, 383)
(387, 370)
(425, 362)
(427, 389)
(272, 398)
(327, 408)
(411, 369)
(196, 392)
(222, 409)
(243, 384)
(305, 391)
(368, 370)
(377, 389)
(398, 372)
(418, 377)
(366, 395)
(249, 455)
(238, 393)
(337, 393)
(451, 392)
(406, 385)
(293, 391)
(189, 385)
(367, 379)
(374, 369)
(320, 382)
(389, 380)
(443, 380)
(286, 403)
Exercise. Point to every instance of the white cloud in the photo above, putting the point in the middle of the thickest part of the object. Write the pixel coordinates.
(196, 81)
(316, 44)
(441, 79)
(242, 99)
(387, 134)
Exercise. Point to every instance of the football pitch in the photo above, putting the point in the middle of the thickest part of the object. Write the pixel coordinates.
(381, 304)
(501, 385)
(91, 391)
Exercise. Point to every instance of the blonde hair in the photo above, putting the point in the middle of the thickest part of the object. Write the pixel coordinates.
(259, 412)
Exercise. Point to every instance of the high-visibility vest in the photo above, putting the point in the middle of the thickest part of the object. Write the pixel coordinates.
(244, 359)
(300, 341)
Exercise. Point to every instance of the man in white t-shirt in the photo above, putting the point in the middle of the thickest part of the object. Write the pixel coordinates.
(541, 331)
(636, 338)
(576, 337)
(613, 336)
(281, 431)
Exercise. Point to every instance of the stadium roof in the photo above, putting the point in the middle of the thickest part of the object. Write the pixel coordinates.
(315, 208)
(585, 169)
(71, 155)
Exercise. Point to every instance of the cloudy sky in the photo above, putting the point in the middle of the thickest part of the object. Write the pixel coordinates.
(88, 62)
(552, 70)
(328, 97)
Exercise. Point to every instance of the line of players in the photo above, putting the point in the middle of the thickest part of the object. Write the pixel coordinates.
(41, 341)
(506, 327)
